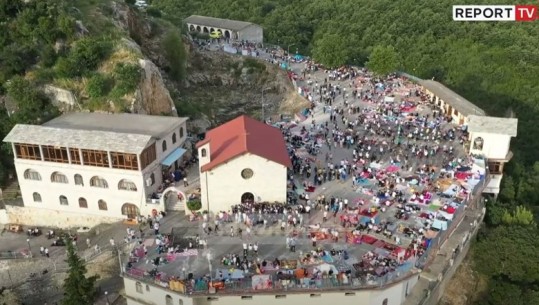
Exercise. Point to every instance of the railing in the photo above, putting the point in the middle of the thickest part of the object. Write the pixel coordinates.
(327, 283)
(410, 77)
(12, 255)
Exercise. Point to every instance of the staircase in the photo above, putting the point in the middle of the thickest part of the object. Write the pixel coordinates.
(12, 191)
(173, 204)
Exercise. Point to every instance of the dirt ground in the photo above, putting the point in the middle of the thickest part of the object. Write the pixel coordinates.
(465, 286)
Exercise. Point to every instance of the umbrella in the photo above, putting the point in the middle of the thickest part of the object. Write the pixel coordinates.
(216, 34)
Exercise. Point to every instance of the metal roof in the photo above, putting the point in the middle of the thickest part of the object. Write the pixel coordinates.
(151, 125)
(84, 139)
(226, 24)
(456, 101)
(493, 125)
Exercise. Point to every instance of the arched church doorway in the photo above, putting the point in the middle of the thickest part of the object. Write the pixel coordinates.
(173, 199)
(247, 198)
(206, 30)
(198, 28)
(227, 34)
(130, 210)
(192, 28)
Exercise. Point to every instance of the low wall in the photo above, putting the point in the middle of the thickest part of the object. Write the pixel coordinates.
(51, 218)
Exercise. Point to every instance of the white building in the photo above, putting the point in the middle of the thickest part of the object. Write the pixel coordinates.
(452, 104)
(138, 292)
(242, 160)
(229, 29)
(87, 168)
(491, 137)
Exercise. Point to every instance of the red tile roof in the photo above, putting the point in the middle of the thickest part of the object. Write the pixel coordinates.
(245, 135)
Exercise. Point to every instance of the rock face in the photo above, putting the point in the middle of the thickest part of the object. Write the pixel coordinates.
(152, 94)
(63, 99)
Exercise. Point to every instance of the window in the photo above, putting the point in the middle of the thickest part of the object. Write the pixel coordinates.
(478, 143)
(97, 181)
(102, 205)
(164, 145)
(203, 152)
(95, 157)
(138, 287)
(63, 200)
(78, 180)
(147, 287)
(124, 161)
(247, 173)
(280, 296)
(58, 177)
(181, 132)
(83, 204)
(27, 151)
(127, 185)
(168, 300)
(180, 302)
(495, 168)
(385, 302)
(55, 154)
(246, 297)
(315, 295)
(37, 197)
(147, 156)
(174, 138)
(75, 156)
(349, 294)
(31, 174)
(152, 177)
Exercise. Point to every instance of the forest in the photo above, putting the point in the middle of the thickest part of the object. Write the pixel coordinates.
(493, 64)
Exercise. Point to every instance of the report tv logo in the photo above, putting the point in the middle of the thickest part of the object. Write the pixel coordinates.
(495, 12)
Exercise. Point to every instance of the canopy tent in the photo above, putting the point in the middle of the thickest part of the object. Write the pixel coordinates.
(298, 57)
(389, 99)
(216, 34)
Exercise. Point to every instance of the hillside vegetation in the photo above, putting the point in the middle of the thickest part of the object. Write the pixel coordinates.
(493, 64)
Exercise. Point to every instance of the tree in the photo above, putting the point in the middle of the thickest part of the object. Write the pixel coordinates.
(331, 51)
(175, 55)
(9, 297)
(383, 60)
(521, 216)
(79, 289)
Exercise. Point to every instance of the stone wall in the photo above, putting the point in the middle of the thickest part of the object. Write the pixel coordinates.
(50, 218)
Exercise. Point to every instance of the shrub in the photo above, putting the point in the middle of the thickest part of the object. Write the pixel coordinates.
(48, 56)
(154, 12)
(127, 77)
(97, 86)
(175, 55)
(194, 205)
(84, 57)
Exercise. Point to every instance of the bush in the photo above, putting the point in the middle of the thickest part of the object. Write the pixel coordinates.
(97, 86)
(194, 205)
(175, 55)
(84, 57)
(154, 12)
(48, 56)
(254, 65)
(127, 78)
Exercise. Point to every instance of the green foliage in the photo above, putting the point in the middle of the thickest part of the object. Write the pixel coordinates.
(130, 2)
(98, 86)
(331, 50)
(254, 64)
(154, 12)
(33, 107)
(194, 205)
(84, 57)
(48, 56)
(383, 60)
(175, 54)
(127, 78)
(521, 216)
(79, 289)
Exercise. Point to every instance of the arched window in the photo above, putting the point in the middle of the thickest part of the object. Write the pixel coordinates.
(138, 287)
(127, 185)
(164, 145)
(97, 181)
(63, 200)
(102, 205)
(147, 287)
(79, 180)
(385, 302)
(203, 152)
(180, 301)
(31, 174)
(181, 132)
(37, 197)
(152, 177)
(168, 300)
(83, 204)
(58, 177)
(174, 138)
